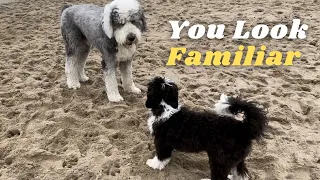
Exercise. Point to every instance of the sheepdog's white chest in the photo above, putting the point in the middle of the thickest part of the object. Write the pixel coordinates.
(126, 53)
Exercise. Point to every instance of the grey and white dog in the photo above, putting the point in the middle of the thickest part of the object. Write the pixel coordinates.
(114, 30)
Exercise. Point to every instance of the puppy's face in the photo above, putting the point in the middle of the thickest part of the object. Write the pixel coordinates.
(162, 89)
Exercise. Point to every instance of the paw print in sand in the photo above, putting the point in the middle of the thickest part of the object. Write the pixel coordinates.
(12, 133)
(91, 136)
(112, 168)
(70, 162)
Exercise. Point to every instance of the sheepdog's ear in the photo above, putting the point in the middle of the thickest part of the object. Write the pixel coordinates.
(107, 21)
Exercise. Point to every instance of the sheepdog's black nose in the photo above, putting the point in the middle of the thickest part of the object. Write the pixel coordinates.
(131, 37)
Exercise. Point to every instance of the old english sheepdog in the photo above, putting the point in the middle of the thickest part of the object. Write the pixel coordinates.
(226, 140)
(114, 30)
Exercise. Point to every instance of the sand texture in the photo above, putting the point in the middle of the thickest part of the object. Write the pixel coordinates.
(52, 133)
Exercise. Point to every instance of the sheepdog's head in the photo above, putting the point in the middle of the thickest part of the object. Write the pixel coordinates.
(125, 21)
(162, 89)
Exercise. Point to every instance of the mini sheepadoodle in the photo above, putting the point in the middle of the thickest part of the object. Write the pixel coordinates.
(114, 30)
(226, 140)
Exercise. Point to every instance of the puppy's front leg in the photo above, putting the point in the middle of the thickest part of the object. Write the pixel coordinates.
(109, 72)
(162, 158)
(126, 77)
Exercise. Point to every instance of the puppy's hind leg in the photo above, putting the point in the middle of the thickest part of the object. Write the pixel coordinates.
(219, 171)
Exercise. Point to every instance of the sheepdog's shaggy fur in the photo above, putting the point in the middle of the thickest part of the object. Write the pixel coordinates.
(114, 30)
(226, 140)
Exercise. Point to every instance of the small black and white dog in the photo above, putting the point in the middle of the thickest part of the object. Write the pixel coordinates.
(114, 30)
(226, 140)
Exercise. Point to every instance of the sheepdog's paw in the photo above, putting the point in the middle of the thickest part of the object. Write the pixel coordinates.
(73, 84)
(135, 90)
(83, 78)
(155, 163)
(132, 89)
(115, 98)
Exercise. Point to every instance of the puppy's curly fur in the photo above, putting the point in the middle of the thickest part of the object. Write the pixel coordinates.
(226, 140)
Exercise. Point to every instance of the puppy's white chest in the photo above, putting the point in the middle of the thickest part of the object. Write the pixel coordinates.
(125, 53)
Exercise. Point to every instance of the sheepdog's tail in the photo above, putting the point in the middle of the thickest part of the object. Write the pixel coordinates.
(64, 8)
(254, 116)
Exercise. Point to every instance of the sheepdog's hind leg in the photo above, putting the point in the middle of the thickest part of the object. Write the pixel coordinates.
(71, 70)
(218, 168)
(77, 50)
(75, 65)
(82, 63)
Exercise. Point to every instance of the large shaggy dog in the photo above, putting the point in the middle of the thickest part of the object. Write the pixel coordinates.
(114, 30)
(226, 140)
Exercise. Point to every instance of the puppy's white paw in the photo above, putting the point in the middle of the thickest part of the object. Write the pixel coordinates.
(115, 98)
(156, 164)
(73, 84)
(84, 78)
(230, 177)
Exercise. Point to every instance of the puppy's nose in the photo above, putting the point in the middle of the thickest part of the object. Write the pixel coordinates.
(131, 37)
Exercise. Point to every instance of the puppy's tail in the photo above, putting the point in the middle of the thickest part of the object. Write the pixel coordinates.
(254, 117)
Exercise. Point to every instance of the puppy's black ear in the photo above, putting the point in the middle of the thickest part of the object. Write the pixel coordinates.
(149, 103)
(152, 102)
(171, 96)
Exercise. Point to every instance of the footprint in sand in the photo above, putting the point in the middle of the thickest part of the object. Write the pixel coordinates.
(112, 168)
(70, 162)
(12, 133)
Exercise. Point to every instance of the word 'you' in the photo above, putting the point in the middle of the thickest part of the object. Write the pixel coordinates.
(260, 31)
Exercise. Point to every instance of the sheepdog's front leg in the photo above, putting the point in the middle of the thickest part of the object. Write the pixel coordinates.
(162, 158)
(112, 86)
(126, 77)
(109, 72)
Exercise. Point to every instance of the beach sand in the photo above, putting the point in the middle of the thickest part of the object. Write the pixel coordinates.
(50, 132)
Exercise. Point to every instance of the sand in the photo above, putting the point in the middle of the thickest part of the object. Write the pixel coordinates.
(50, 132)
